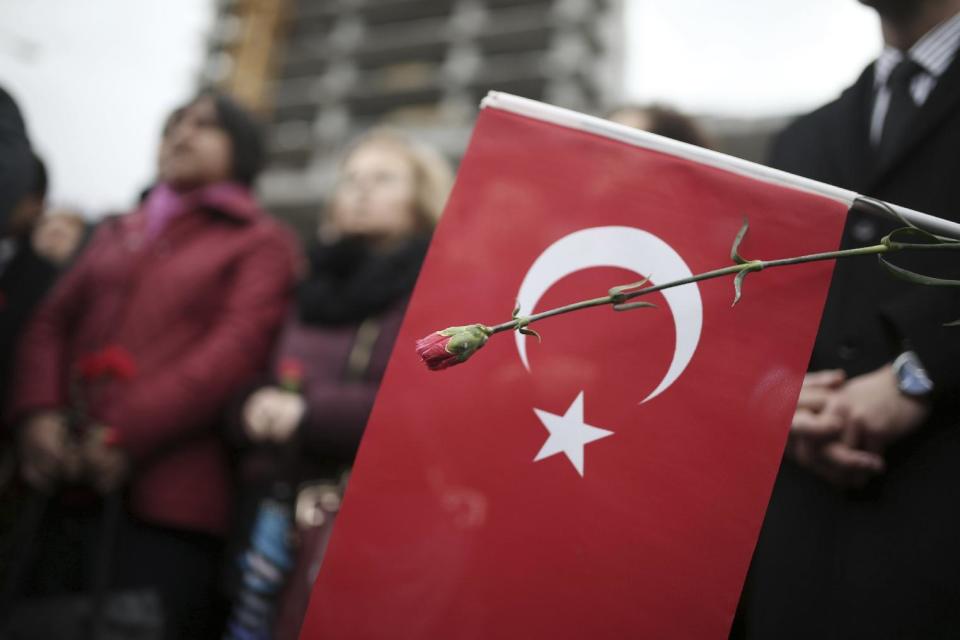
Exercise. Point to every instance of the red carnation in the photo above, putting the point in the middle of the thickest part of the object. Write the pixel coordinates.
(111, 436)
(442, 349)
(433, 351)
(290, 372)
(113, 361)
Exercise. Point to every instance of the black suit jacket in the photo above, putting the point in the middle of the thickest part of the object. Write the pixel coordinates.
(882, 562)
(869, 314)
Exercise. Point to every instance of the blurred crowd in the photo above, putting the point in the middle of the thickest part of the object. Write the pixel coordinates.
(194, 381)
(183, 388)
(192, 370)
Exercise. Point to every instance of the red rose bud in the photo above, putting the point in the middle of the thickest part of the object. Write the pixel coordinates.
(453, 345)
(118, 363)
(111, 436)
(112, 361)
(90, 366)
(290, 372)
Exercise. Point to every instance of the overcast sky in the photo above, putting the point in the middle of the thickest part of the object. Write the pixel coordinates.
(96, 77)
(746, 57)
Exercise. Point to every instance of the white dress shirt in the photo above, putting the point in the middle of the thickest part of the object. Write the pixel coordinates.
(933, 52)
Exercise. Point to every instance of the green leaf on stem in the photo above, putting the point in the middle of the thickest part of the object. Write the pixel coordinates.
(617, 292)
(738, 286)
(916, 278)
(530, 332)
(735, 250)
(911, 234)
(628, 306)
(896, 214)
(909, 225)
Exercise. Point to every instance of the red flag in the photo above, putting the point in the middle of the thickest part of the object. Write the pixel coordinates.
(611, 481)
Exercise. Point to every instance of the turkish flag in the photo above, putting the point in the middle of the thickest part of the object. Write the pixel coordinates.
(609, 482)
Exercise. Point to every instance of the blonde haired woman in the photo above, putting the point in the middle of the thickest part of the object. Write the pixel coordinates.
(333, 352)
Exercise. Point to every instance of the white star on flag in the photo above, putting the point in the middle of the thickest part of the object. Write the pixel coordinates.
(569, 434)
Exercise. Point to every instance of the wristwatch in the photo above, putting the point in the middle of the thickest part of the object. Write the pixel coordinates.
(912, 378)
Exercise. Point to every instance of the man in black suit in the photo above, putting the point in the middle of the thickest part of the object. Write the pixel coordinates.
(16, 160)
(861, 535)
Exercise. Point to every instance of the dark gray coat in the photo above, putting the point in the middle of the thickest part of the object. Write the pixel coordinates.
(16, 163)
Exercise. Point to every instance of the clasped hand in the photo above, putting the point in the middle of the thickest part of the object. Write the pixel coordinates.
(843, 427)
(273, 414)
(49, 454)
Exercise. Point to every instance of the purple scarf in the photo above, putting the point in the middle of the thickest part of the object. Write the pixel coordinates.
(164, 203)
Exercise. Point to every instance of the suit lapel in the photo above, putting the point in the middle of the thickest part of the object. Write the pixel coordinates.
(853, 142)
(942, 103)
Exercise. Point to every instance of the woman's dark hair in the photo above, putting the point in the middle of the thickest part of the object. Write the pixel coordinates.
(241, 126)
(666, 121)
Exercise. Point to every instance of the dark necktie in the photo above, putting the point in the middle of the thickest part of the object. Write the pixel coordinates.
(901, 109)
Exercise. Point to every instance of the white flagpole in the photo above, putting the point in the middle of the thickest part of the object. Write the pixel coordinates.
(629, 135)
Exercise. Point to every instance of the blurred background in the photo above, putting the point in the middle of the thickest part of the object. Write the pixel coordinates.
(95, 79)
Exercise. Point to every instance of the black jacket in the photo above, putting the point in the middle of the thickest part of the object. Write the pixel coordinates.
(882, 562)
(24, 282)
(16, 164)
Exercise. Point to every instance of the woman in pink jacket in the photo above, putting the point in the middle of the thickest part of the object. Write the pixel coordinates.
(125, 369)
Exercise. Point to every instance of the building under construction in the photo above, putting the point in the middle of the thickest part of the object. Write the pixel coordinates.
(322, 71)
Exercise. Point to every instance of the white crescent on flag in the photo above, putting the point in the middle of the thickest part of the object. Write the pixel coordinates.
(626, 248)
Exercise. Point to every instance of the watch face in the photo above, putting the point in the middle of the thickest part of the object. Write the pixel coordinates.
(913, 380)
